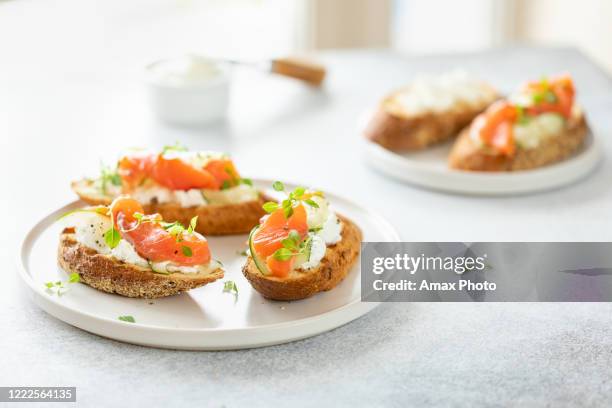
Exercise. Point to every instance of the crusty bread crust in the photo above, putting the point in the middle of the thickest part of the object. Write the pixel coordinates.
(403, 132)
(467, 154)
(225, 219)
(110, 275)
(334, 267)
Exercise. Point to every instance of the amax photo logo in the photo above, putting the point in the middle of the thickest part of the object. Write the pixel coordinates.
(494, 271)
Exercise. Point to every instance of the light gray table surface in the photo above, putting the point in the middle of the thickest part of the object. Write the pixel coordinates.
(55, 127)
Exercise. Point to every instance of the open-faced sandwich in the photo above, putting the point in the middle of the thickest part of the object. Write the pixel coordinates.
(301, 247)
(428, 111)
(119, 249)
(180, 185)
(539, 125)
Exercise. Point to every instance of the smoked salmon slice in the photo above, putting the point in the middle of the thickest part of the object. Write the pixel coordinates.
(179, 175)
(224, 172)
(176, 173)
(154, 242)
(278, 268)
(270, 235)
(494, 127)
(276, 227)
(554, 95)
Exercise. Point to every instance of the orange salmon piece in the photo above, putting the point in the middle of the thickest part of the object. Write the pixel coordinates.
(178, 175)
(276, 227)
(152, 241)
(223, 170)
(280, 268)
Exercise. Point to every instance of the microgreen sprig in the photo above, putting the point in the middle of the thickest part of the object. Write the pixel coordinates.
(187, 251)
(299, 194)
(521, 115)
(246, 181)
(230, 287)
(176, 147)
(293, 246)
(108, 176)
(60, 287)
(234, 179)
(544, 94)
(177, 230)
(112, 237)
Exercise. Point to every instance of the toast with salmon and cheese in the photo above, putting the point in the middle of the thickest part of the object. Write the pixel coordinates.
(180, 185)
(301, 247)
(540, 125)
(118, 249)
(431, 110)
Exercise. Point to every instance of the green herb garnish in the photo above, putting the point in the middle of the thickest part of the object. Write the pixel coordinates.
(287, 207)
(544, 94)
(186, 251)
(299, 194)
(192, 225)
(60, 287)
(521, 115)
(230, 287)
(278, 186)
(283, 254)
(550, 97)
(176, 147)
(129, 319)
(108, 176)
(177, 230)
(311, 203)
(270, 207)
(112, 238)
(293, 246)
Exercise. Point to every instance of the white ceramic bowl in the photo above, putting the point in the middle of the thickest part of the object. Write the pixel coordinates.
(190, 97)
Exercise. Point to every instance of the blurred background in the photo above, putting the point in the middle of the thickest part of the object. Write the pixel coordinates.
(86, 34)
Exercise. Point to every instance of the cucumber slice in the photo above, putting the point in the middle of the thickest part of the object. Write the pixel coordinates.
(155, 269)
(305, 255)
(308, 248)
(259, 263)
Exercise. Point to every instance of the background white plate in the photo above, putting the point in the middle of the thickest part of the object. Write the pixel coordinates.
(203, 318)
(428, 168)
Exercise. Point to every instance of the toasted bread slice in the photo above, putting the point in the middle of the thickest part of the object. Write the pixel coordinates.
(215, 219)
(107, 274)
(468, 154)
(397, 129)
(335, 265)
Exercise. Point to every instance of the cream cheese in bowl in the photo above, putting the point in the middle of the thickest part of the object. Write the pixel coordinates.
(189, 90)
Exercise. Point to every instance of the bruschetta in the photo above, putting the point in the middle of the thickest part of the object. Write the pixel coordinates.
(180, 185)
(428, 111)
(118, 249)
(540, 125)
(301, 247)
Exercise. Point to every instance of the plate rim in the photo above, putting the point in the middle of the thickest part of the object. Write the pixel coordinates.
(315, 324)
(586, 160)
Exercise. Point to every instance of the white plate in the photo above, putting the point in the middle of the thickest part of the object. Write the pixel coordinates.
(203, 318)
(428, 168)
